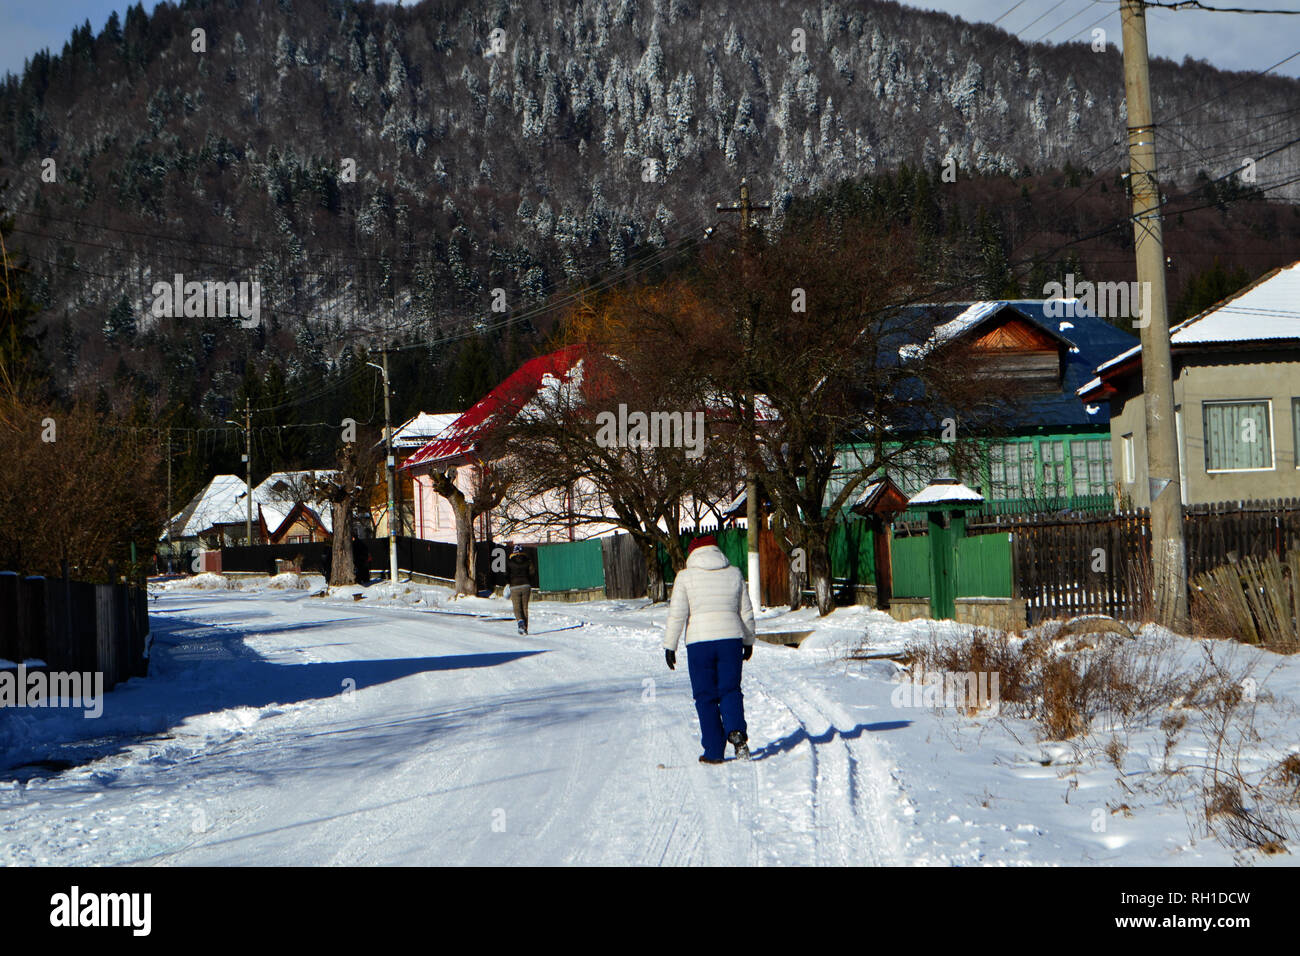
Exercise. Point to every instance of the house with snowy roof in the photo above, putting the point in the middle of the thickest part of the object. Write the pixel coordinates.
(1053, 448)
(457, 448)
(216, 515)
(1236, 370)
(290, 510)
(408, 438)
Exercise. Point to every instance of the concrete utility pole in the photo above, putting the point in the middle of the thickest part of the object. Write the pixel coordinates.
(388, 458)
(169, 501)
(745, 208)
(1168, 547)
(248, 469)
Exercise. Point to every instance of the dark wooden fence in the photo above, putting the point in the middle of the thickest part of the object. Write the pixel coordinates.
(1100, 563)
(74, 626)
(625, 572)
(432, 558)
(436, 559)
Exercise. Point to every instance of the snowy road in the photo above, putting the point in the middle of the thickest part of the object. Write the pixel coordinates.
(279, 728)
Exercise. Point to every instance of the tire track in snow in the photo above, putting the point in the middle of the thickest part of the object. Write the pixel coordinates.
(851, 821)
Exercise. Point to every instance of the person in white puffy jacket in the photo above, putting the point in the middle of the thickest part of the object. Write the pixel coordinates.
(711, 605)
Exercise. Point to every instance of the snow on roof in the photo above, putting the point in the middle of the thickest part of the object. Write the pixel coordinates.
(867, 492)
(535, 385)
(1263, 312)
(500, 405)
(944, 493)
(220, 501)
(422, 429)
(954, 328)
(277, 495)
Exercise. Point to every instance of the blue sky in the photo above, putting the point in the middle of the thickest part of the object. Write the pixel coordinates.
(1231, 41)
(30, 25)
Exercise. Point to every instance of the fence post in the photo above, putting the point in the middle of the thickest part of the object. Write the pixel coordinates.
(31, 623)
(9, 644)
(58, 647)
(105, 619)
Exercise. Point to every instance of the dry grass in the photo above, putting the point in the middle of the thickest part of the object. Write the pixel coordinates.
(1115, 686)
(1064, 691)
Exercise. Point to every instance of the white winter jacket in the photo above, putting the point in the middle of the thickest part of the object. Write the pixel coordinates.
(710, 601)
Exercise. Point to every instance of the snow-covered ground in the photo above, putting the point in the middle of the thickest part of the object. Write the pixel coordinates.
(404, 727)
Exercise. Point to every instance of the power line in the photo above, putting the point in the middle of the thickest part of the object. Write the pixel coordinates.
(1198, 5)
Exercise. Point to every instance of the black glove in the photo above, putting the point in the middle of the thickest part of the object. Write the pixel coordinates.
(749, 651)
(671, 658)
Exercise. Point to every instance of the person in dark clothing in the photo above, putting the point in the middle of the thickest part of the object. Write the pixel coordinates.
(520, 567)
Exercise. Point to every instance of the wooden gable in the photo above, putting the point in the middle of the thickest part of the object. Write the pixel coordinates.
(1017, 335)
(1023, 350)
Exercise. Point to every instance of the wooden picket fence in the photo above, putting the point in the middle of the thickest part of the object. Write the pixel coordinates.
(1100, 563)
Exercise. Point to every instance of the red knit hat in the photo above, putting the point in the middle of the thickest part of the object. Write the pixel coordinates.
(703, 542)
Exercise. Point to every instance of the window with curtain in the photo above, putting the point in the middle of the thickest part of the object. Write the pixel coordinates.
(1238, 435)
(1295, 423)
(1090, 466)
(1054, 483)
(1013, 470)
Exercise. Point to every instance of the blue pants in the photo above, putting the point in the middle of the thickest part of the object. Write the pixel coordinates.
(714, 667)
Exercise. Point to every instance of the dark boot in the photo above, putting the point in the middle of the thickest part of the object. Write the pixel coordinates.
(704, 759)
(738, 740)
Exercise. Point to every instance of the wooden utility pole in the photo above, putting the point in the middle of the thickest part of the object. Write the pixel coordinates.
(1168, 547)
(248, 469)
(389, 464)
(746, 208)
(169, 501)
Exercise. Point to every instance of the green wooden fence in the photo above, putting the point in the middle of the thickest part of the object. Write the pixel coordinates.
(1024, 506)
(853, 558)
(911, 561)
(984, 565)
(731, 541)
(983, 561)
(570, 566)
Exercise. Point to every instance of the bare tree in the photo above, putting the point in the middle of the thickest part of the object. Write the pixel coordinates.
(348, 491)
(626, 443)
(76, 487)
(488, 488)
(821, 325)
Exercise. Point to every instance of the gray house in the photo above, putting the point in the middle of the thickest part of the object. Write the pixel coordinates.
(1236, 399)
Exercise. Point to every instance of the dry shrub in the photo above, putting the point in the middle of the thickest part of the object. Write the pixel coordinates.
(1285, 776)
(1240, 825)
(987, 652)
(1064, 691)
(1244, 809)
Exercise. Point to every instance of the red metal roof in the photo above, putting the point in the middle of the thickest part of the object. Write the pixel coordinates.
(499, 406)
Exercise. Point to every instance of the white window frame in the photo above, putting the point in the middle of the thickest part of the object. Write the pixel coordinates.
(1272, 434)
